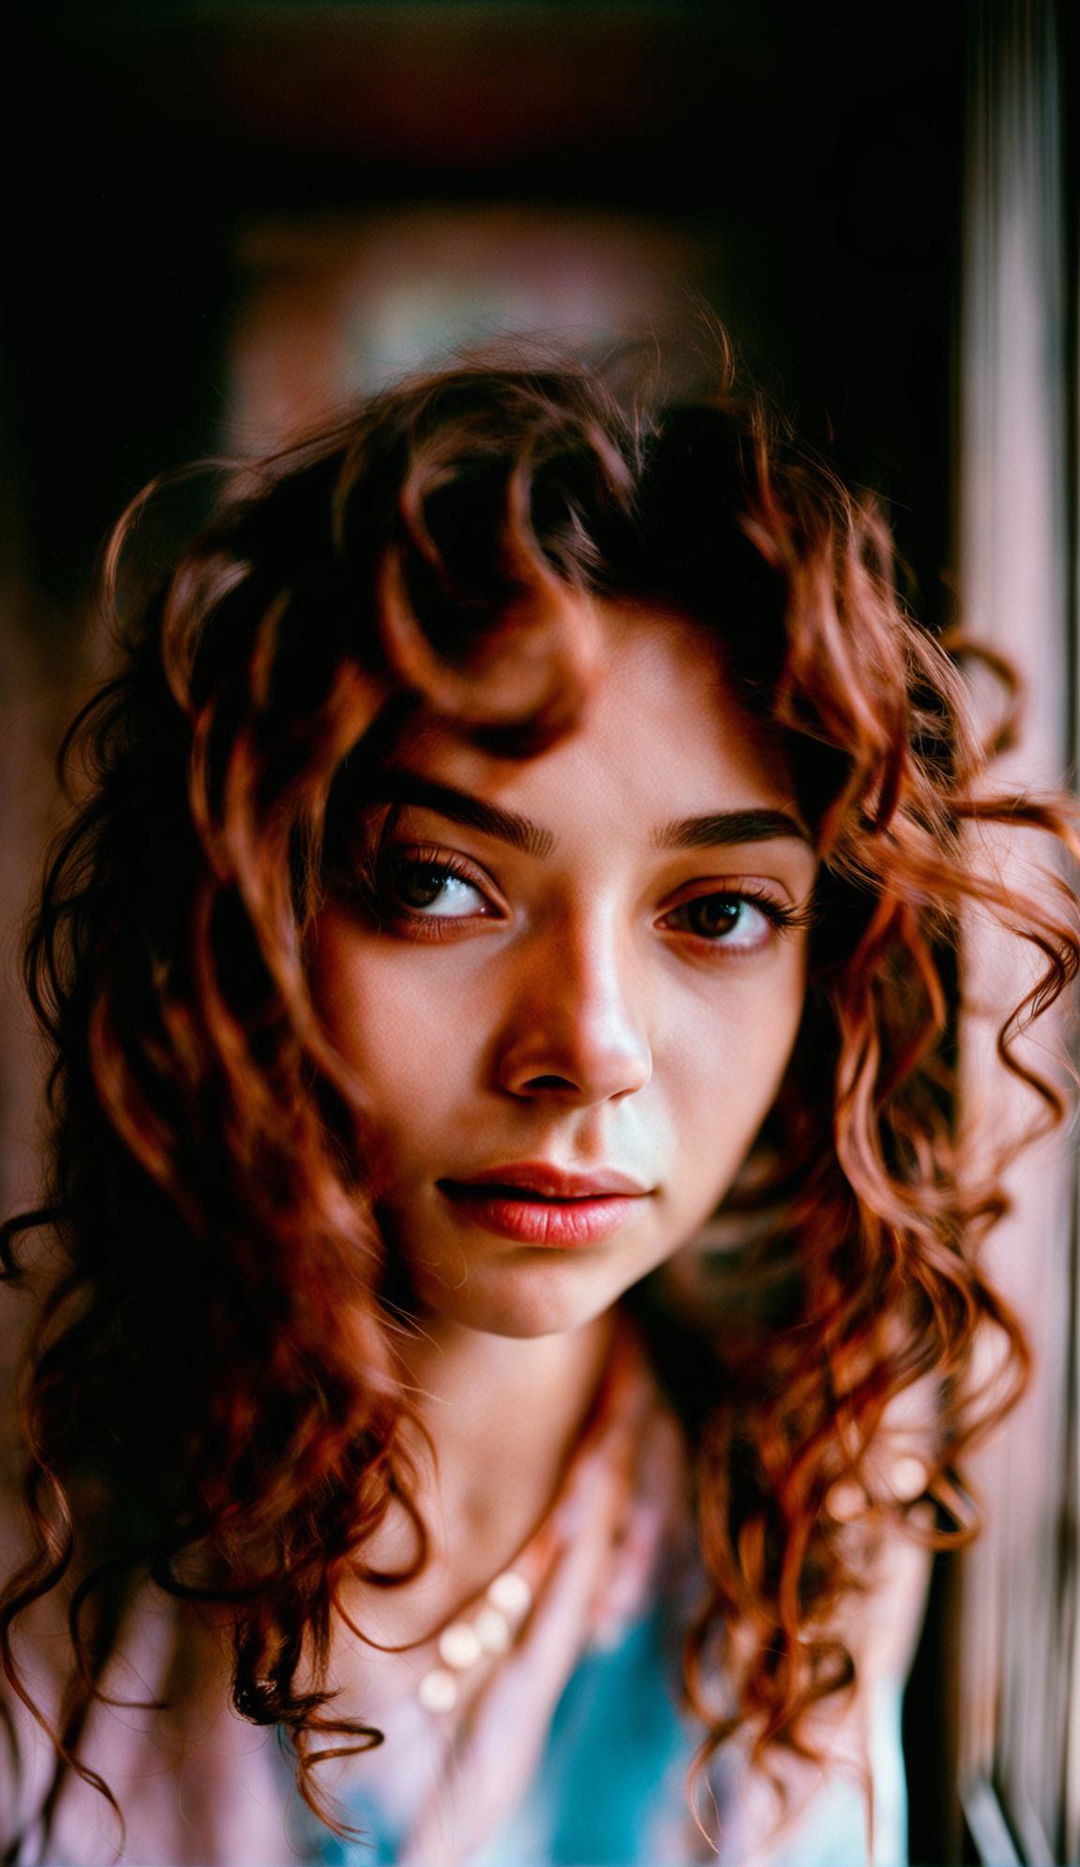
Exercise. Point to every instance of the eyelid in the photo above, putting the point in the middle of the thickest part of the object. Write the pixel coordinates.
(759, 887)
(439, 857)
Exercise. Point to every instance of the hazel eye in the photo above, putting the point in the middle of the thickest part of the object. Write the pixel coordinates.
(728, 920)
(432, 888)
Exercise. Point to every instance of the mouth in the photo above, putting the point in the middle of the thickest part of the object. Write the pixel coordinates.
(535, 1204)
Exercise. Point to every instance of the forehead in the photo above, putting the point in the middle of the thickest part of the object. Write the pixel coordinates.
(662, 733)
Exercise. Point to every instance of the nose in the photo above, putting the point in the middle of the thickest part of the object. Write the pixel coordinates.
(575, 1029)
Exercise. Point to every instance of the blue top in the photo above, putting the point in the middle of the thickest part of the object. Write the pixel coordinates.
(610, 1789)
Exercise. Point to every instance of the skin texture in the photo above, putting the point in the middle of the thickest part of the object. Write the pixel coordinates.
(564, 1004)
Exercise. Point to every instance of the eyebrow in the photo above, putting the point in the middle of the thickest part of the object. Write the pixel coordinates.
(398, 786)
(729, 826)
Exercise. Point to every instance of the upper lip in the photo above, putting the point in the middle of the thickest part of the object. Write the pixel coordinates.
(538, 1176)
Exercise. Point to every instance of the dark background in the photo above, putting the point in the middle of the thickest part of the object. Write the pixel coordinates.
(814, 150)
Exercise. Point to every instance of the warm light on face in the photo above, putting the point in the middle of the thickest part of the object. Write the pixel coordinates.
(571, 985)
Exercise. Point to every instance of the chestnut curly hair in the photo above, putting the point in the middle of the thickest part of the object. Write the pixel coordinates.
(207, 1211)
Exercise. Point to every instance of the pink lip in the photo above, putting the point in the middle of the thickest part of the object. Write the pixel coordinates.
(537, 1204)
(538, 1176)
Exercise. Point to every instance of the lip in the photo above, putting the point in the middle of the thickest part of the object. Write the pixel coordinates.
(535, 1203)
(539, 1176)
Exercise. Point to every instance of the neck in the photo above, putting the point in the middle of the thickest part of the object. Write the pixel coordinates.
(504, 1414)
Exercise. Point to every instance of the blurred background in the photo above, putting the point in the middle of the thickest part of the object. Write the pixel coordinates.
(224, 219)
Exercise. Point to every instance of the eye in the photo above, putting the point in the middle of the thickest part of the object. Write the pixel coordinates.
(433, 890)
(730, 919)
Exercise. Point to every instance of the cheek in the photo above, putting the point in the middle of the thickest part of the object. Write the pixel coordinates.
(725, 1063)
(412, 1048)
(370, 1019)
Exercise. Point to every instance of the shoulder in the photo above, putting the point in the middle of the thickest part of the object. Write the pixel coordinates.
(193, 1781)
(842, 1802)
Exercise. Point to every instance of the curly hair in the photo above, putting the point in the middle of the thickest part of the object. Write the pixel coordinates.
(208, 1212)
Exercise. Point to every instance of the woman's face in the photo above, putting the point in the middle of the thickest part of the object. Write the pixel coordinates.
(572, 995)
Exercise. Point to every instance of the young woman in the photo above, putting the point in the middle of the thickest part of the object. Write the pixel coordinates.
(508, 1276)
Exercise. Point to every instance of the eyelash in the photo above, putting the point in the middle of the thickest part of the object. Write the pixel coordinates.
(784, 918)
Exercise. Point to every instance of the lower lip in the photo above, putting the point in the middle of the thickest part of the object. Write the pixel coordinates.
(558, 1222)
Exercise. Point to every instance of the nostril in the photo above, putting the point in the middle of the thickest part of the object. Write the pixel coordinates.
(550, 1082)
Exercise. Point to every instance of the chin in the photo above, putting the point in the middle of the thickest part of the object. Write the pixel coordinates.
(527, 1301)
